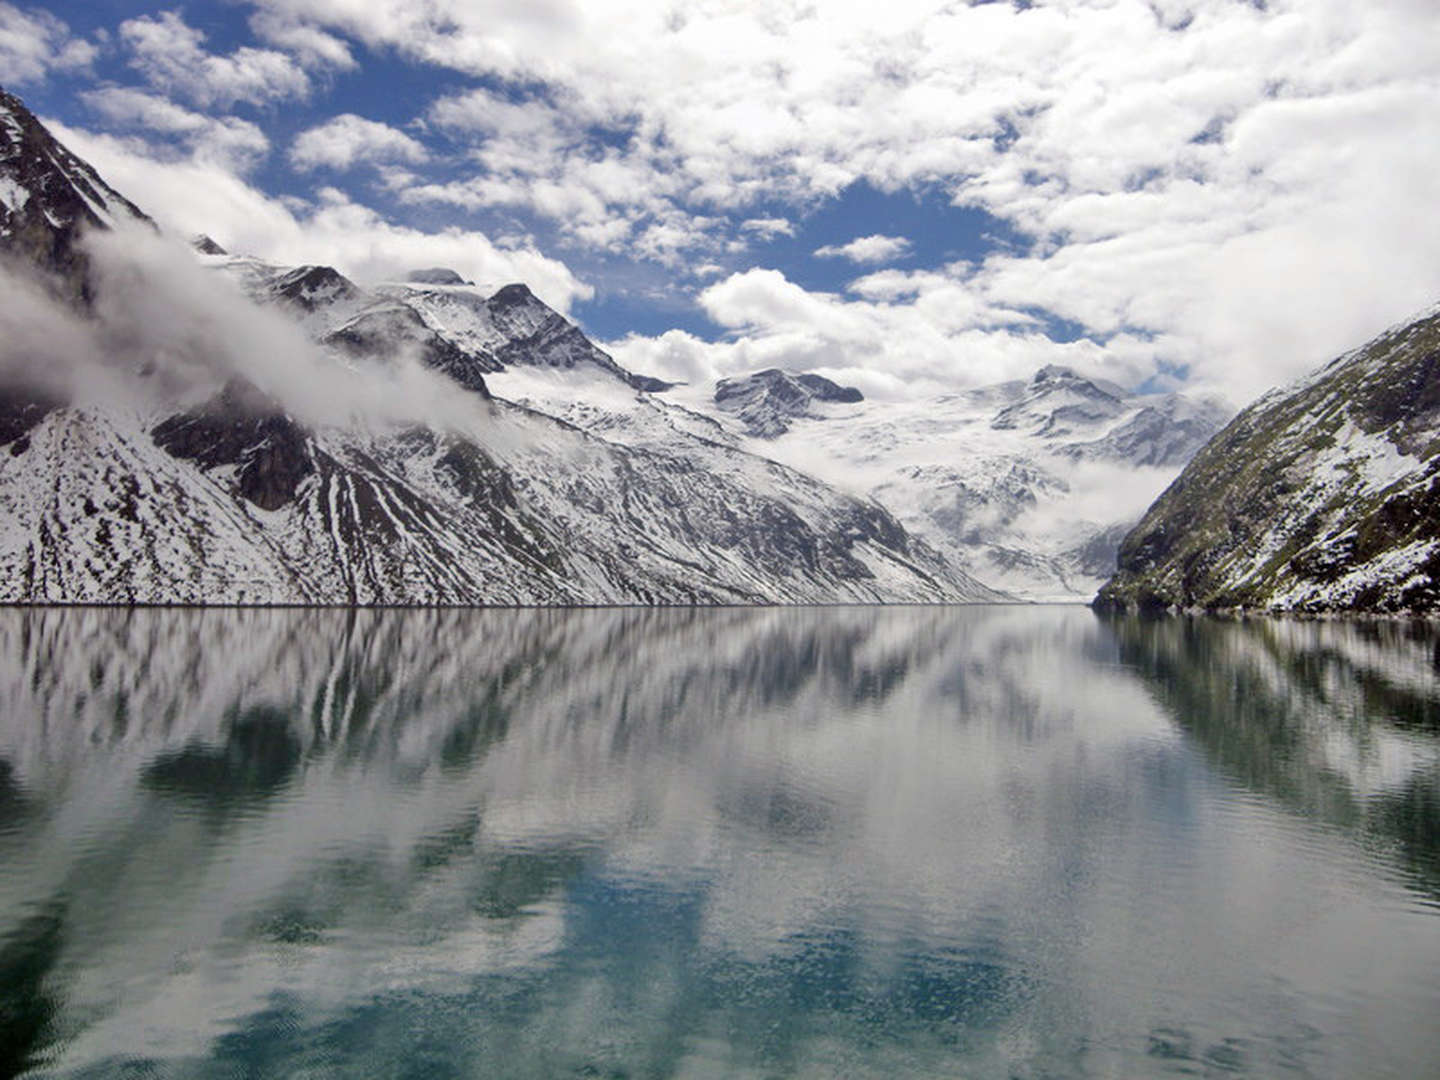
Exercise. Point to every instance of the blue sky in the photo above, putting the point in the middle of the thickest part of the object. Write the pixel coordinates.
(913, 197)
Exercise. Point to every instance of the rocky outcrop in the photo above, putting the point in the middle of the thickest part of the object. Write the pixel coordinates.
(268, 451)
(312, 287)
(387, 330)
(537, 336)
(1321, 497)
(767, 401)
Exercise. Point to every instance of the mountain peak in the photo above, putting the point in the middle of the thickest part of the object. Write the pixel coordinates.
(516, 294)
(436, 275)
(311, 286)
(1054, 373)
(767, 401)
(48, 196)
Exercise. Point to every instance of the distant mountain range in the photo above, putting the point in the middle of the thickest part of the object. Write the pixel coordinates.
(1028, 485)
(246, 450)
(194, 483)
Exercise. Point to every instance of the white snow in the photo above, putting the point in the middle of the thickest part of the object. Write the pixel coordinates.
(12, 194)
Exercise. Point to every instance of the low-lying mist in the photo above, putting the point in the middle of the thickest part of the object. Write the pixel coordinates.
(163, 333)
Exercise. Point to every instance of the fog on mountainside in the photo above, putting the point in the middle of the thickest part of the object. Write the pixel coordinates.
(424, 441)
(334, 444)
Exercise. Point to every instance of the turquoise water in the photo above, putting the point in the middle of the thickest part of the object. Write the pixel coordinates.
(846, 842)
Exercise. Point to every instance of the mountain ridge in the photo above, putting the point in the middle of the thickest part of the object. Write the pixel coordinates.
(210, 481)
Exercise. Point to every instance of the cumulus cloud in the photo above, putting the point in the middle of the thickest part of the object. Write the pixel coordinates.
(768, 228)
(171, 56)
(227, 141)
(195, 196)
(867, 249)
(1243, 185)
(1230, 189)
(348, 140)
(558, 158)
(313, 47)
(34, 42)
(931, 340)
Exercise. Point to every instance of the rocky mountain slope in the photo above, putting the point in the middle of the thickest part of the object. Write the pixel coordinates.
(1324, 496)
(49, 197)
(262, 454)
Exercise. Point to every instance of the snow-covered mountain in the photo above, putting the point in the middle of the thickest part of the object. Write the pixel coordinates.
(49, 197)
(1028, 485)
(340, 444)
(1323, 496)
(768, 401)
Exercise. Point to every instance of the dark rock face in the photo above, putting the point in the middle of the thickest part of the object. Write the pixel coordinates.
(648, 384)
(1324, 497)
(20, 411)
(308, 287)
(271, 453)
(822, 389)
(541, 337)
(768, 401)
(206, 246)
(381, 332)
(51, 198)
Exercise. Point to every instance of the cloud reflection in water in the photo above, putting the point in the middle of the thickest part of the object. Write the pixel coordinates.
(850, 841)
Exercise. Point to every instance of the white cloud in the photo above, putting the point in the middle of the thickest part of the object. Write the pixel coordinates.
(934, 336)
(675, 356)
(227, 141)
(171, 57)
(1246, 186)
(768, 228)
(548, 158)
(200, 197)
(313, 47)
(34, 43)
(348, 140)
(867, 249)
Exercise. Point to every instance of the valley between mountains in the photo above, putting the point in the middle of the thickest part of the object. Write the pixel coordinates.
(180, 424)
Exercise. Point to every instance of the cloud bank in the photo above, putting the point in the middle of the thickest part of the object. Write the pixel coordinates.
(197, 196)
(1217, 191)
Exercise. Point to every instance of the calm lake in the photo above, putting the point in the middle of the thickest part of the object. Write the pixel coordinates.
(1012, 842)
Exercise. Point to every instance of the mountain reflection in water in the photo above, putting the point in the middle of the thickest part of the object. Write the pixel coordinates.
(847, 841)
